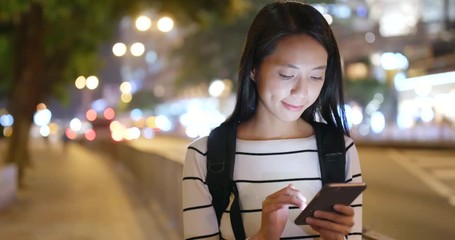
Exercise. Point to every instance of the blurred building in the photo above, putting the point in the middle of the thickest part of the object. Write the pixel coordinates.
(407, 49)
(400, 48)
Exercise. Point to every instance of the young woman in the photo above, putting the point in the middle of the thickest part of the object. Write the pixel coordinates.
(290, 76)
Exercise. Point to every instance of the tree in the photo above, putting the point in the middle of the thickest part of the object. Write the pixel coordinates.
(45, 44)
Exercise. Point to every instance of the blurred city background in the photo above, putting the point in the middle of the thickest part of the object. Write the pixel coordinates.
(131, 83)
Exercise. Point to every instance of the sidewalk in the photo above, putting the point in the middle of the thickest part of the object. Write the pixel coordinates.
(76, 193)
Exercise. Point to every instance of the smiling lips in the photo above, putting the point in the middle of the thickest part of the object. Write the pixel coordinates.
(295, 108)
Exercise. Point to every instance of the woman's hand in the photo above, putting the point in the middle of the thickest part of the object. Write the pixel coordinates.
(333, 225)
(275, 212)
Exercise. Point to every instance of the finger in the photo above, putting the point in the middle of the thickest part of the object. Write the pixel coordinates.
(335, 217)
(344, 209)
(289, 190)
(285, 200)
(322, 231)
(273, 207)
(288, 195)
(295, 193)
(328, 225)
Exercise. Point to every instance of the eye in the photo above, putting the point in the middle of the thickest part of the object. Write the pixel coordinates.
(316, 78)
(286, 77)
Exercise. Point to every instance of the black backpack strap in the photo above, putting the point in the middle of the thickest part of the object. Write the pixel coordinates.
(220, 169)
(236, 216)
(331, 151)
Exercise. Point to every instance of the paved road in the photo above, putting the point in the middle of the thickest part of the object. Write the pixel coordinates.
(410, 194)
(77, 194)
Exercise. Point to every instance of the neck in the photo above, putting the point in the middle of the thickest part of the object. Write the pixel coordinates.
(255, 129)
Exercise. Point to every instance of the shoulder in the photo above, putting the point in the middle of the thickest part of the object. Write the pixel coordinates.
(351, 150)
(196, 151)
(195, 159)
(349, 142)
(199, 145)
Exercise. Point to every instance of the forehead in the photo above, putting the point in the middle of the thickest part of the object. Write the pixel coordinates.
(298, 49)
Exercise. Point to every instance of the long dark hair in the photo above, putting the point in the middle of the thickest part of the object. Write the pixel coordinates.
(273, 23)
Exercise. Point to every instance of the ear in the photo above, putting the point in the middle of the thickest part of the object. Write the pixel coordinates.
(252, 75)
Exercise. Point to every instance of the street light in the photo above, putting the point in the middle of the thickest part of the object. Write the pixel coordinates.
(165, 24)
(119, 49)
(86, 85)
(216, 88)
(80, 82)
(143, 23)
(92, 82)
(125, 89)
(137, 49)
(142, 44)
(220, 88)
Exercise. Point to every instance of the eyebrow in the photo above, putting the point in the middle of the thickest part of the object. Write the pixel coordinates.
(320, 67)
(296, 67)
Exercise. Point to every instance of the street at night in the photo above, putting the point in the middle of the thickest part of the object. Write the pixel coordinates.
(98, 110)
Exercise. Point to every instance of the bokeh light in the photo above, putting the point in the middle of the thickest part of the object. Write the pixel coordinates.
(165, 24)
(90, 135)
(92, 82)
(117, 131)
(137, 49)
(125, 87)
(54, 128)
(216, 88)
(163, 123)
(6, 120)
(119, 49)
(70, 134)
(42, 117)
(143, 23)
(136, 114)
(80, 82)
(148, 133)
(8, 131)
(392, 61)
(91, 115)
(44, 131)
(126, 97)
(370, 37)
(75, 124)
(328, 18)
(377, 122)
(109, 113)
(41, 106)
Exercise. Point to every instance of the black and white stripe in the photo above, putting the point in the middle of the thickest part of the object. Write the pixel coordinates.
(261, 168)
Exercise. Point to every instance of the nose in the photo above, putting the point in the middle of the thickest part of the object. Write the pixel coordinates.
(300, 88)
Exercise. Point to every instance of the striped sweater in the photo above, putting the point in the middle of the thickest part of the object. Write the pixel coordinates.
(261, 168)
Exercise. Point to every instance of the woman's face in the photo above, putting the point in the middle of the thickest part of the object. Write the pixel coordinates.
(290, 79)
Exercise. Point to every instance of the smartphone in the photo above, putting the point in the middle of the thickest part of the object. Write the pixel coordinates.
(328, 196)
